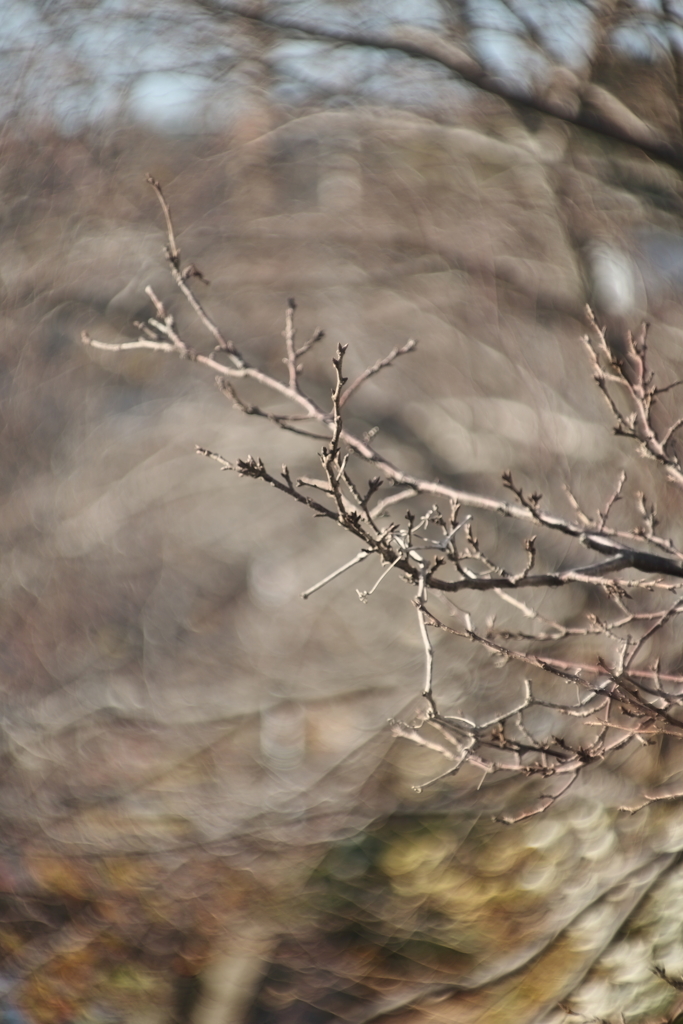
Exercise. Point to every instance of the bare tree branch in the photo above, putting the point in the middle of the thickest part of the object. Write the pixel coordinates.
(623, 703)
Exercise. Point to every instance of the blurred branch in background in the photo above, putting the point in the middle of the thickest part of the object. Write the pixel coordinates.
(583, 105)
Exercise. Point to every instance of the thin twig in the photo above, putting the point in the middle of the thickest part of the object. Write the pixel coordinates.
(360, 557)
(173, 254)
(381, 364)
(290, 344)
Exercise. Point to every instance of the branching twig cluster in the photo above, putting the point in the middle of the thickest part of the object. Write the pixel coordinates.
(617, 699)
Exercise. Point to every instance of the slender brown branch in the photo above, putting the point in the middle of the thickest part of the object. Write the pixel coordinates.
(173, 249)
(255, 469)
(422, 615)
(318, 335)
(640, 387)
(180, 278)
(381, 364)
(360, 557)
(290, 344)
(283, 422)
(125, 346)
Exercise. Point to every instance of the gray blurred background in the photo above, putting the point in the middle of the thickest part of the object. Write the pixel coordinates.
(204, 815)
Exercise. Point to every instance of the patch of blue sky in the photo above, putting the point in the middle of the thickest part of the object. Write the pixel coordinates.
(422, 13)
(11, 94)
(169, 100)
(322, 66)
(127, 8)
(22, 26)
(510, 58)
(371, 15)
(148, 44)
(74, 106)
(35, 80)
(564, 28)
(346, 74)
(427, 92)
(340, 17)
(641, 40)
(78, 66)
(652, 6)
(675, 34)
(135, 46)
(292, 93)
(495, 15)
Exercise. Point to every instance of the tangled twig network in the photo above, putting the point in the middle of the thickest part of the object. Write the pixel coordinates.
(618, 699)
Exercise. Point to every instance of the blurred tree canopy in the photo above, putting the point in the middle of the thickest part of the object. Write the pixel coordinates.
(203, 811)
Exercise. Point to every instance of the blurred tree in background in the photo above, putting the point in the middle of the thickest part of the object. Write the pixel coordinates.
(204, 815)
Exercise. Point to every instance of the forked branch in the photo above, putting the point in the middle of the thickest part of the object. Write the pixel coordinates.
(618, 699)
